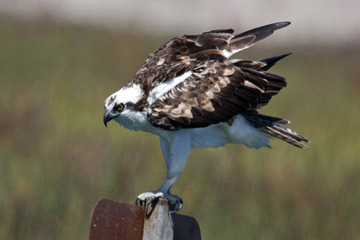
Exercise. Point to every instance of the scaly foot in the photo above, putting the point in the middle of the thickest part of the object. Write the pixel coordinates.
(175, 202)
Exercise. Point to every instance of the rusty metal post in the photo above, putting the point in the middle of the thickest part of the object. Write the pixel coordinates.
(113, 220)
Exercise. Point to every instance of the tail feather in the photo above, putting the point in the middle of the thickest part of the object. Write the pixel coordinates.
(271, 126)
(285, 134)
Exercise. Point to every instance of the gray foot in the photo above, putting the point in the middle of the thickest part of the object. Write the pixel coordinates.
(175, 202)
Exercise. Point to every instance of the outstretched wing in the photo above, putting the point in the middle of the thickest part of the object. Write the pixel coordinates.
(215, 92)
(181, 53)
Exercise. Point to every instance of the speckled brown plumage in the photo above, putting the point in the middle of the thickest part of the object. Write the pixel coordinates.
(215, 92)
(217, 89)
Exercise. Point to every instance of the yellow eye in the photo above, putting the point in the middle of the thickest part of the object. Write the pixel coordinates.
(120, 107)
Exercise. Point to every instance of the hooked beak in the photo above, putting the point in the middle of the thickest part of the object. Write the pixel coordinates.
(107, 118)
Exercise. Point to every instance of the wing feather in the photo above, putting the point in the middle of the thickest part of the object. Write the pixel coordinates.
(216, 89)
(243, 92)
(181, 53)
(203, 87)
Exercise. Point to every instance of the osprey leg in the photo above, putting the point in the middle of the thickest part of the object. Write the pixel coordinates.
(176, 150)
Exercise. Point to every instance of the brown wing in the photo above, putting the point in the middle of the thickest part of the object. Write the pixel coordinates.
(179, 54)
(213, 45)
(215, 92)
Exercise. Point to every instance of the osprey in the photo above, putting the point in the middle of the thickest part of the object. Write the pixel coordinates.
(192, 95)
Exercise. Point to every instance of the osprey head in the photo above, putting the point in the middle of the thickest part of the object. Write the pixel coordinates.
(116, 105)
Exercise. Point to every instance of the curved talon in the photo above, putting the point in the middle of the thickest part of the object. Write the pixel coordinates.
(140, 202)
(150, 199)
(176, 206)
(147, 198)
(153, 201)
(151, 205)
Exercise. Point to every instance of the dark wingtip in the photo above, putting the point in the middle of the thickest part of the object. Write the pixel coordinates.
(283, 24)
(263, 31)
(278, 25)
(271, 61)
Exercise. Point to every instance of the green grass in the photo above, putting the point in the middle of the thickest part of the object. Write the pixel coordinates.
(57, 159)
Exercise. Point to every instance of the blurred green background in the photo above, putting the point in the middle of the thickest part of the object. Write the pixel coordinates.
(57, 158)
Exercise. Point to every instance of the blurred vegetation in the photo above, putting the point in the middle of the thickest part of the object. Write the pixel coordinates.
(57, 159)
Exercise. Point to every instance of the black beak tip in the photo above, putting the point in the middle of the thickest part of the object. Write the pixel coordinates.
(107, 118)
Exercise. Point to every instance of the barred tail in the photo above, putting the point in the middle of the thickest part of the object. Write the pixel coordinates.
(271, 126)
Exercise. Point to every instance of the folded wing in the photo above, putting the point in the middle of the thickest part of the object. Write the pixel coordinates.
(215, 92)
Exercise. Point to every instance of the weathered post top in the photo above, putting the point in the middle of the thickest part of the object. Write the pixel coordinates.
(113, 220)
